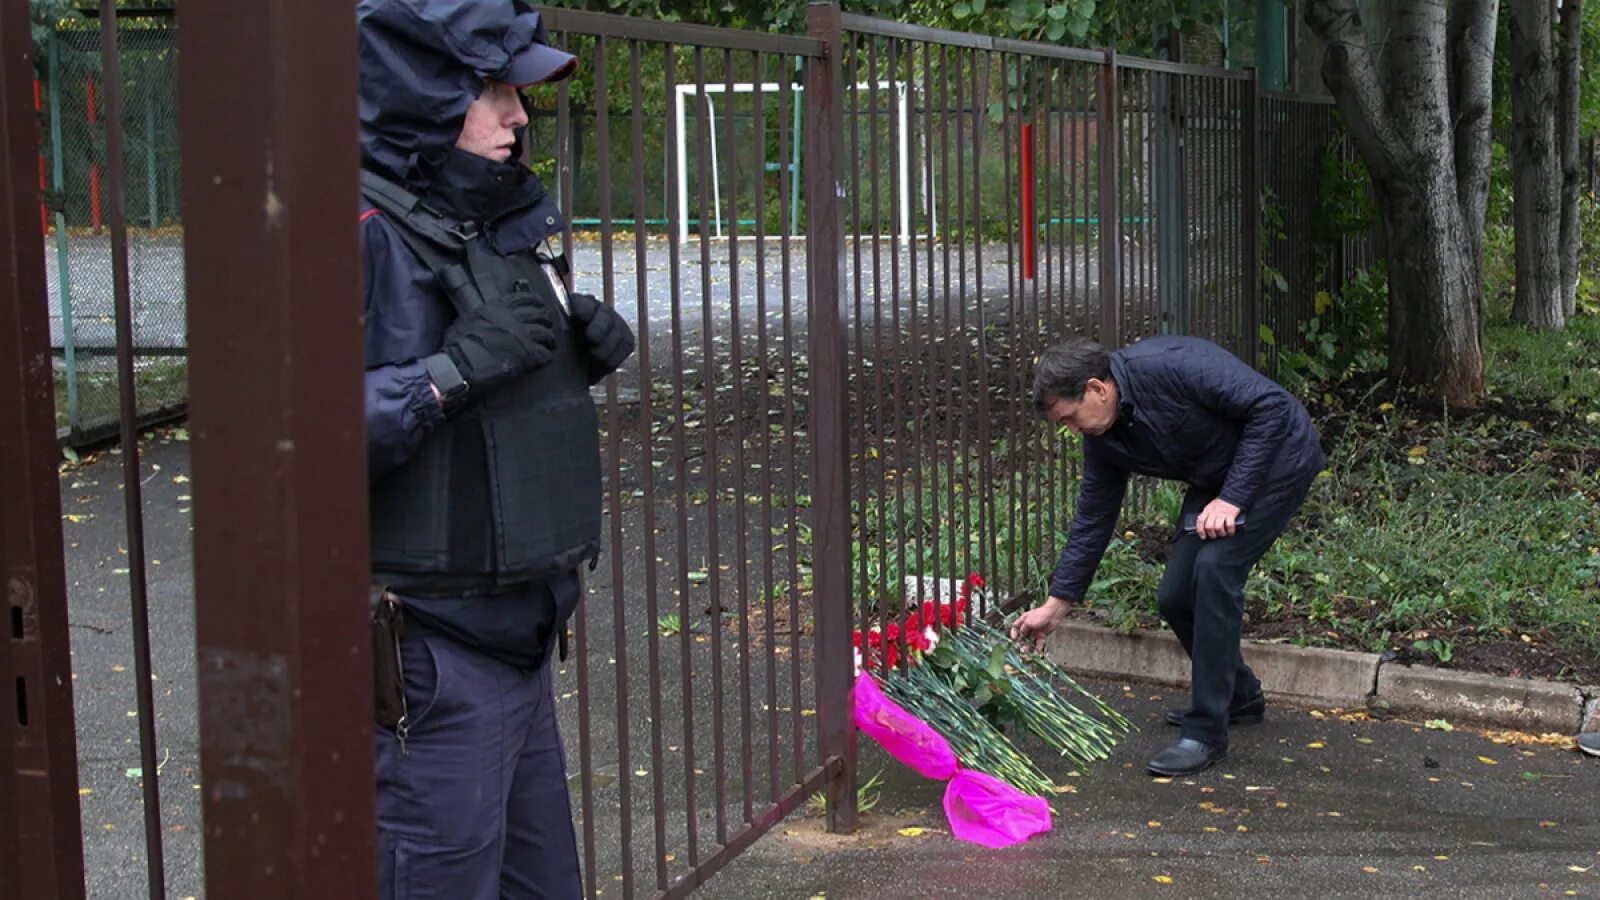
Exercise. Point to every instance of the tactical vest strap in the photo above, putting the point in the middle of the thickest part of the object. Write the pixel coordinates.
(441, 243)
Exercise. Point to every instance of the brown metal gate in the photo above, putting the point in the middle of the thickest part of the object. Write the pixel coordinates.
(840, 252)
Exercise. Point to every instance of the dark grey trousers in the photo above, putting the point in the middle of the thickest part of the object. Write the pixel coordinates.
(477, 805)
(1202, 598)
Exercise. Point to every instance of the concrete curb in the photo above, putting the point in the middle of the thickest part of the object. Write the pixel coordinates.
(1317, 677)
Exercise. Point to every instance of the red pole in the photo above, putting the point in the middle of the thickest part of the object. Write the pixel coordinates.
(1030, 225)
(94, 168)
(44, 212)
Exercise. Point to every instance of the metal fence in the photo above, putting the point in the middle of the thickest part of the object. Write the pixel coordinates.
(71, 102)
(869, 234)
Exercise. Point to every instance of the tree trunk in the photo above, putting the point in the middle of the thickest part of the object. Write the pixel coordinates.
(1410, 129)
(1536, 209)
(1471, 37)
(1435, 326)
(1568, 72)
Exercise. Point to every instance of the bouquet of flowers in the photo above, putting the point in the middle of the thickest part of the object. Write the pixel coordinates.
(972, 684)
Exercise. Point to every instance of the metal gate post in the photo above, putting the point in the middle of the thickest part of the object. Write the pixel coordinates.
(40, 826)
(272, 268)
(830, 434)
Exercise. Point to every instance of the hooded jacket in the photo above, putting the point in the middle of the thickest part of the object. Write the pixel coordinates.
(422, 64)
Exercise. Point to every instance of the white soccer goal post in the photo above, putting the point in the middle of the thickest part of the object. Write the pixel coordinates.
(902, 93)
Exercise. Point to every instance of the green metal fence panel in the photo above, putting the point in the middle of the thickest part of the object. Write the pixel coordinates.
(73, 153)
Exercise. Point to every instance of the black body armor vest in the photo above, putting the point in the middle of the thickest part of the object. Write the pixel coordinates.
(507, 490)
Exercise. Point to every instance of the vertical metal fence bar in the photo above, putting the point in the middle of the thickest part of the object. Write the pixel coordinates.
(69, 342)
(679, 215)
(862, 590)
(971, 234)
(132, 477)
(1230, 219)
(647, 468)
(275, 356)
(1212, 221)
(1110, 230)
(876, 462)
(708, 427)
(829, 425)
(901, 209)
(921, 416)
(1016, 289)
(1228, 300)
(1250, 200)
(565, 164)
(41, 845)
(939, 327)
(730, 150)
(985, 456)
(1150, 314)
(764, 369)
(620, 619)
(789, 203)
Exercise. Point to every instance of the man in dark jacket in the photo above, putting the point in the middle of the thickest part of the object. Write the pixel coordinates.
(484, 451)
(1187, 410)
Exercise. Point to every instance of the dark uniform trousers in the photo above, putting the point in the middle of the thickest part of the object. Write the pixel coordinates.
(475, 805)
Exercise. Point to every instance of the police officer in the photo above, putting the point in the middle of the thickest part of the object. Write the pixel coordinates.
(484, 450)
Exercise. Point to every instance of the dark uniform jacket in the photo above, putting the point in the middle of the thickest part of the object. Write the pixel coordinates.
(414, 99)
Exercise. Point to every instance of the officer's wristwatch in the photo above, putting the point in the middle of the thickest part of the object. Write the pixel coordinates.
(447, 380)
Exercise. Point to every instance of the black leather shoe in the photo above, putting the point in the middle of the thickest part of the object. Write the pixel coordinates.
(1187, 757)
(1250, 712)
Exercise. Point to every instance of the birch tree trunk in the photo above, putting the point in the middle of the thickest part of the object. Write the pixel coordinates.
(1535, 167)
(1423, 134)
(1568, 72)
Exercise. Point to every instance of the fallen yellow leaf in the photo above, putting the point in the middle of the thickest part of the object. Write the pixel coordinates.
(1369, 869)
(1153, 823)
(1441, 858)
(1163, 879)
(1579, 868)
(1487, 761)
(1417, 451)
(1315, 745)
(1068, 788)
(912, 832)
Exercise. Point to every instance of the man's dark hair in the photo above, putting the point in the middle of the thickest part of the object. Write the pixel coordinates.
(1065, 369)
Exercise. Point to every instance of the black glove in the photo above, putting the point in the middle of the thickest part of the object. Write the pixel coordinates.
(607, 333)
(501, 339)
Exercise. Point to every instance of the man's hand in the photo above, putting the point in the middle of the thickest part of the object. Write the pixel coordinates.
(501, 339)
(607, 333)
(1033, 626)
(1218, 519)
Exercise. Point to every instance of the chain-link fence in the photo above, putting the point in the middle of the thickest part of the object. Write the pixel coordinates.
(76, 220)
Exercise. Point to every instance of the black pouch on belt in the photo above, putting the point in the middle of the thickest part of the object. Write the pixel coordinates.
(389, 683)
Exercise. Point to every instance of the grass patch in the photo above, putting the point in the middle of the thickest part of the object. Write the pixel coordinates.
(160, 382)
